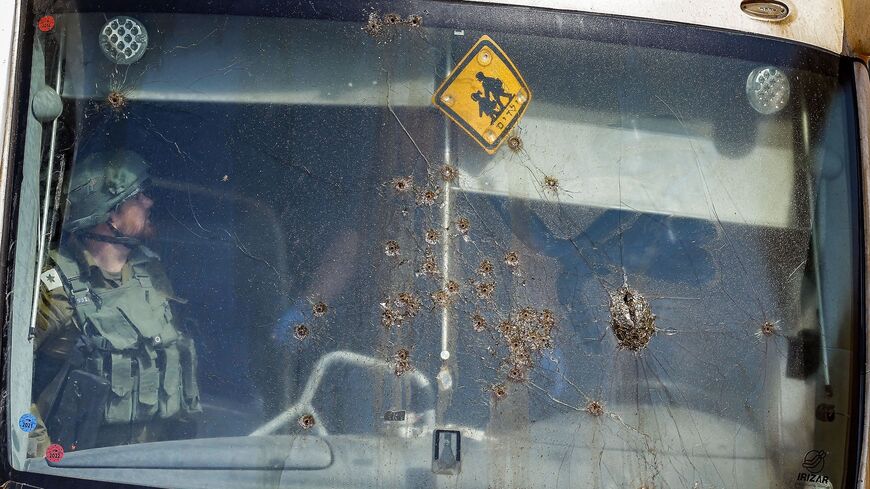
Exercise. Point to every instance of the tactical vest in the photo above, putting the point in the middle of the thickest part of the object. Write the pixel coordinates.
(133, 343)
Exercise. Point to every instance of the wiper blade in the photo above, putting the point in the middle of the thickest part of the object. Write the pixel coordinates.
(261, 453)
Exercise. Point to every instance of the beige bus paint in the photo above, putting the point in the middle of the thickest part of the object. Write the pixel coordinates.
(815, 22)
(857, 25)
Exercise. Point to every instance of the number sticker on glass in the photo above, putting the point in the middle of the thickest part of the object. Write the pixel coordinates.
(54, 453)
(27, 422)
(484, 94)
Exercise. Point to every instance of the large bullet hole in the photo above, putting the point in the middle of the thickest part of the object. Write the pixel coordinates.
(631, 319)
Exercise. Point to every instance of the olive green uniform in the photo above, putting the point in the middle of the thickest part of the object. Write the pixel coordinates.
(134, 343)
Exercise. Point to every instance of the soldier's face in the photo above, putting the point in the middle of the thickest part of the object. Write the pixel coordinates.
(133, 217)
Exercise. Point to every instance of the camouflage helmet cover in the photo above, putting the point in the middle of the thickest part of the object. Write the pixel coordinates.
(100, 183)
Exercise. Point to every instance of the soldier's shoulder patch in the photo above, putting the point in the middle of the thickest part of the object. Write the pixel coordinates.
(50, 279)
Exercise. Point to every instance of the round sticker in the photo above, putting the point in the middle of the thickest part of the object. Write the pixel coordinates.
(54, 453)
(27, 422)
(46, 23)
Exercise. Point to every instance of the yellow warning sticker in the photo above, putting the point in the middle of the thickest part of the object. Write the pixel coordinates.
(484, 94)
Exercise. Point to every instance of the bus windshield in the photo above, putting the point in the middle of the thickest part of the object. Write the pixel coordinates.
(273, 252)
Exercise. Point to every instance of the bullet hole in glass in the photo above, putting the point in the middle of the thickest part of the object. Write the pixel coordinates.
(595, 408)
(392, 248)
(547, 319)
(767, 329)
(306, 421)
(403, 354)
(452, 287)
(429, 266)
(395, 311)
(389, 318)
(512, 259)
(402, 359)
(526, 315)
(463, 225)
(392, 19)
(432, 236)
(485, 289)
(374, 27)
(478, 323)
(515, 143)
(428, 196)
(402, 184)
(319, 309)
(499, 391)
(117, 100)
(441, 298)
(300, 332)
(449, 173)
(517, 374)
(551, 184)
(408, 304)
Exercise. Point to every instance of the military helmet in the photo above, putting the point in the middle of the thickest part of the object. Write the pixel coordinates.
(100, 183)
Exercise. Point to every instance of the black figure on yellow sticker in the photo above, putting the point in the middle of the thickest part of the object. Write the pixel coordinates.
(493, 89)
(484, 94)
(486, 106)
(489, 102)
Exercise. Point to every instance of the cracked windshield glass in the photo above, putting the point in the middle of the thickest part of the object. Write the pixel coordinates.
(427, 245)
